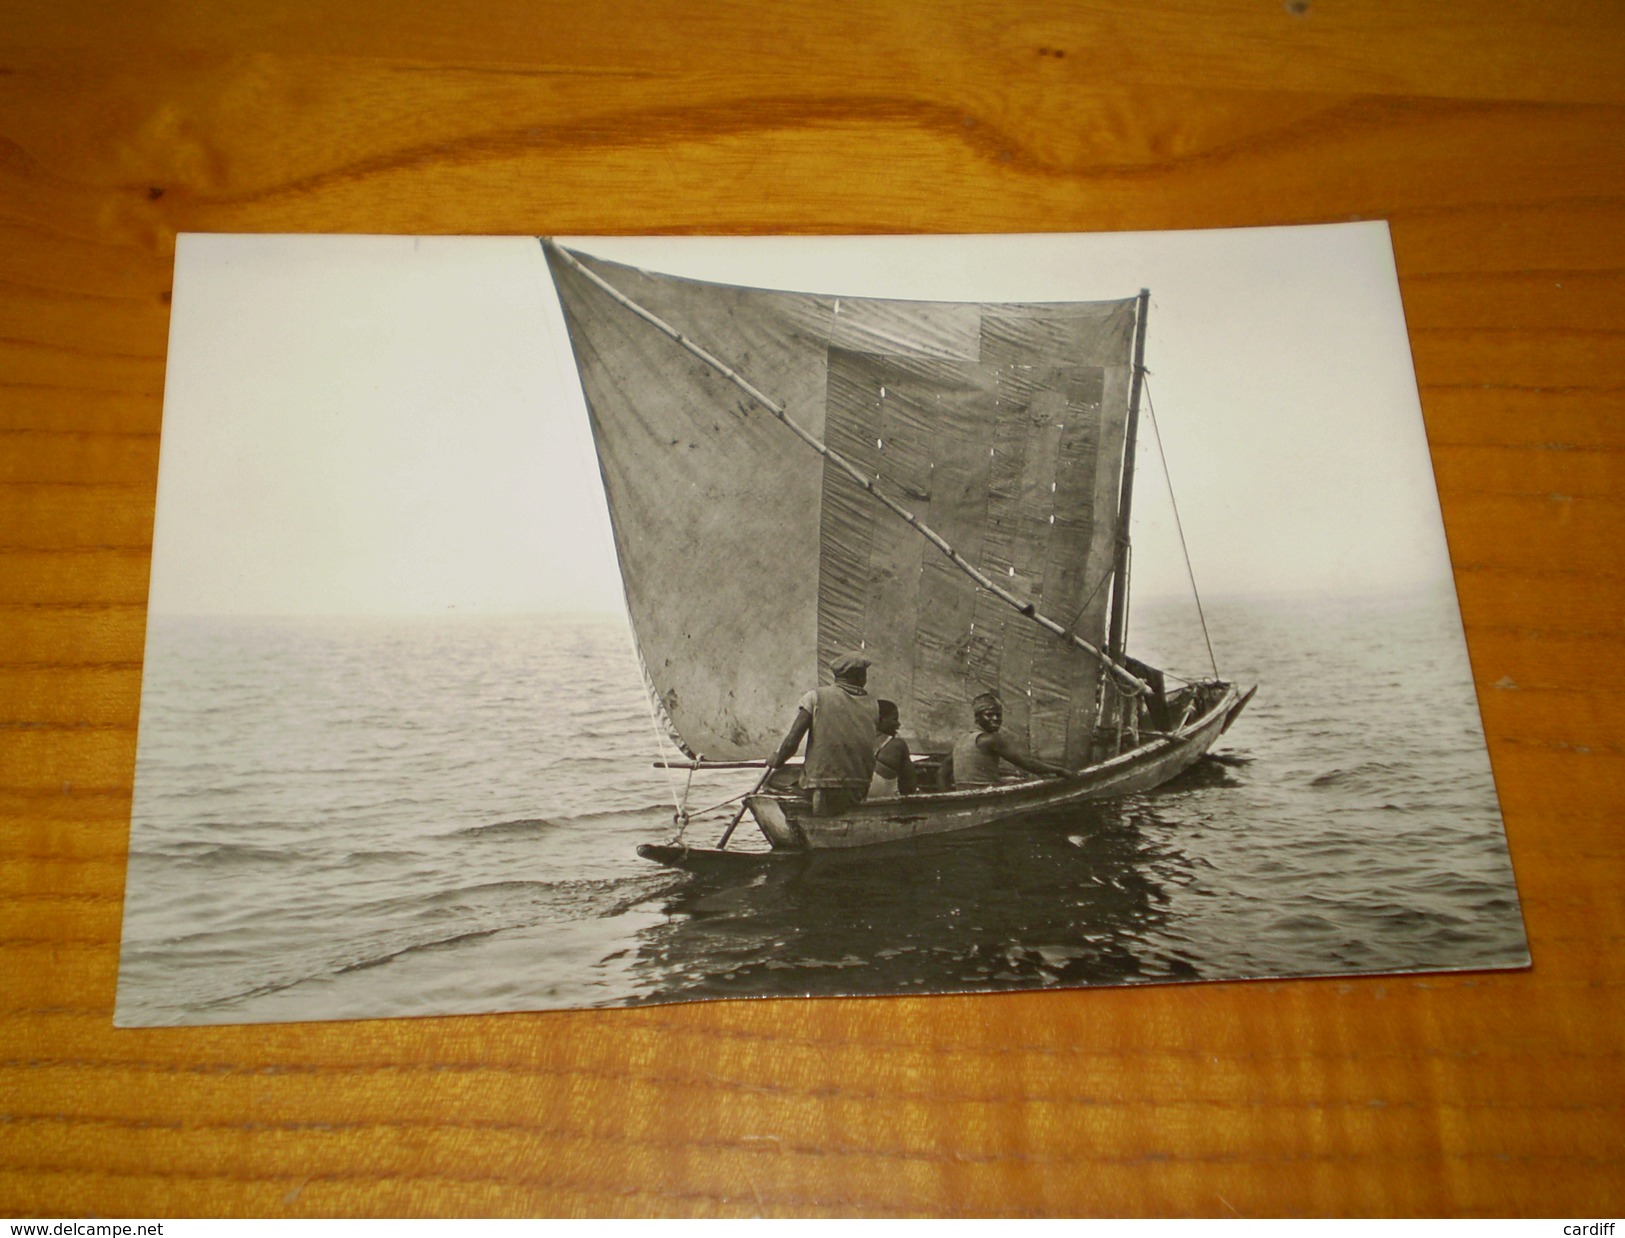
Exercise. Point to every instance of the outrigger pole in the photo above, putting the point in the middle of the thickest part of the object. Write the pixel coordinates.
(1122, 674)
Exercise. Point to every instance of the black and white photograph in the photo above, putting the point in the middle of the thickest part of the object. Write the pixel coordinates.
(549, 622)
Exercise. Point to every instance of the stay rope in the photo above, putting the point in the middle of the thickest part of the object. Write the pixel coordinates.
(1167, 479)
(1093, 593)
(679, 799)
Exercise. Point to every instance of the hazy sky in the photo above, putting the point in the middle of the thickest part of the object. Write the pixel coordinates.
(387, 425)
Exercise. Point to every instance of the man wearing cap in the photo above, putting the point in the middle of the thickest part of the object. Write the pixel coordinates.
(974, 761)
(840, 722)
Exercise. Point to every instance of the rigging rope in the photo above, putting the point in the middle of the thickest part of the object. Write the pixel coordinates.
(1093, 593)
(679, 803)
(1156, 432)
(1127, 679)
(679, 814)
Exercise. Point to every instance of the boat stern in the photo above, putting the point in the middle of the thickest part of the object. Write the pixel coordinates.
(775, 825)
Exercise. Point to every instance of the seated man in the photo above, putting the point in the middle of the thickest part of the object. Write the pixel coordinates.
(894, 765)
(974, 761)
(840, 723)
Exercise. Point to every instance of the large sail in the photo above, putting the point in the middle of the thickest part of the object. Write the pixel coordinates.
(749, 561)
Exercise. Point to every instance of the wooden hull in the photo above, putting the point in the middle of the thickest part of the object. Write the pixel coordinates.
(709, 860)
(789, 826)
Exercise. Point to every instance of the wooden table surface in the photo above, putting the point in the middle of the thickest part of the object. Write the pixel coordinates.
(1493, 139)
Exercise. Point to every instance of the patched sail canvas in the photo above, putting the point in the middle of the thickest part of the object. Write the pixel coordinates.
(749, 560)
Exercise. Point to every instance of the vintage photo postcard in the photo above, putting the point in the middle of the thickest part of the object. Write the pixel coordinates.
(560, 622)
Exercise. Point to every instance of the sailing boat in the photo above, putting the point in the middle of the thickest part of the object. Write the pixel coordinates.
(943, 486)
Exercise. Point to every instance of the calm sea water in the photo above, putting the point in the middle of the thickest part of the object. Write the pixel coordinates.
(359, 818)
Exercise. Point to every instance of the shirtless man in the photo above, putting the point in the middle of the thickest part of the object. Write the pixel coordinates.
(894, 766)
(974, 761)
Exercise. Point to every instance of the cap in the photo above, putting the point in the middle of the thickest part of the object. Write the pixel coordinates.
(845, 664)
(986, 700)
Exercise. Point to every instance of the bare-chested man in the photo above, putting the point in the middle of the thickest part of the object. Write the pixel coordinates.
(974, 761)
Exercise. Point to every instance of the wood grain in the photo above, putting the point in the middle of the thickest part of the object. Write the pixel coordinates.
(1490, 137)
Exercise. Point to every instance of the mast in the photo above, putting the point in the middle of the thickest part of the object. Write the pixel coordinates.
(1117, 635)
